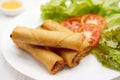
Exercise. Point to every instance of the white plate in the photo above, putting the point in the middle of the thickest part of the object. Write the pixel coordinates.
(88, 69)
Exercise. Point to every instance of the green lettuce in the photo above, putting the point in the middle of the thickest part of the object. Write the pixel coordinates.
(110, 7)
(61, 9)
(108, 56)
(113, 20)
(55, 9)
(108, 49)
(79, 7)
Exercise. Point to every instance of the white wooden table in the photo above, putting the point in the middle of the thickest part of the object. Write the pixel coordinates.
(6, 71)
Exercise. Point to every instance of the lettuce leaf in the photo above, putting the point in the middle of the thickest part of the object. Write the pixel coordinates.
(113, 21)
(110, 7)
(108, 56)
(79, 7)
(108, 49)
(61, 9)
(55, 9)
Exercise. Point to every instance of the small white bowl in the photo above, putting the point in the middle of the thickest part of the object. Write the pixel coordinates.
(11, 12)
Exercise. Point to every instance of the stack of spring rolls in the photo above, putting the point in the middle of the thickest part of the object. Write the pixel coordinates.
(52, 44)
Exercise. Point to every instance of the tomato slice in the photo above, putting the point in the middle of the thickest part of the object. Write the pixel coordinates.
(90, 25)
(93, 19)
(91, 33)
(73, 23)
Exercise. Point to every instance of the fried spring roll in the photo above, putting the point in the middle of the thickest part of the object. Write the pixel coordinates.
(56, 39)
(49, 59)
(71, 57)
(52, 25)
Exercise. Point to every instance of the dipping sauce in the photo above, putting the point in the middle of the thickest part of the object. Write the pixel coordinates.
(11, 5)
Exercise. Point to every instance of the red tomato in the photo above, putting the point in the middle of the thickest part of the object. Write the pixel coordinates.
(73, 23)
(93, 19)
(91, 33)
(90, 25)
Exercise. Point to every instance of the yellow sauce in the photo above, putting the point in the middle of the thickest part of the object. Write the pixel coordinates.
(11, 5)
